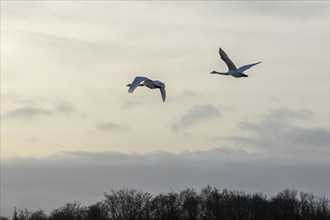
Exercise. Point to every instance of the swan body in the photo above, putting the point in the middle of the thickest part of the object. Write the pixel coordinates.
(151, 84)
(232, 69)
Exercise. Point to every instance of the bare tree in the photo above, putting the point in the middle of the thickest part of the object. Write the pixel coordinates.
(96, 212)
(259, 207)
(166, 206)
(211, 205)
(190, 202)
(21, 214)
(37, 215)
(285, 205)
(128, 204)
(70, 211)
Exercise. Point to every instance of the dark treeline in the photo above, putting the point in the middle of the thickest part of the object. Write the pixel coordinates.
(208, 204)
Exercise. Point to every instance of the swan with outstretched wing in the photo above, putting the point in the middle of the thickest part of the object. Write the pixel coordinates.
(151, 84)
(232, 69)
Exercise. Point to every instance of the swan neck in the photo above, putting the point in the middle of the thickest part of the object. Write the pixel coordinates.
(221, 73)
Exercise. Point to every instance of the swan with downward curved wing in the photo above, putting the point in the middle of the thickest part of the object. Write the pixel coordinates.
(151, 84)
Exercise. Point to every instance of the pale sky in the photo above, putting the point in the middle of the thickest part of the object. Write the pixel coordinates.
(67, 118)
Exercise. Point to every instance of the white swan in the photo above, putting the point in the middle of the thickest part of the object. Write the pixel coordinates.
(151, 84)
(232, 70)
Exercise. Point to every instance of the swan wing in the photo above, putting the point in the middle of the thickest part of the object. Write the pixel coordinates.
(136, 82)
(163, 93)
(225, 58)
(246, 67)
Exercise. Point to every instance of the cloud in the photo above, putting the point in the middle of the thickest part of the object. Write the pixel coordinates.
(277, 119)
(283, 10)
(51, 181)
(278, 132)
(129, 104)
(64, 107)
(196, 115)
(28, 112)
(111, 126)
(33, 112)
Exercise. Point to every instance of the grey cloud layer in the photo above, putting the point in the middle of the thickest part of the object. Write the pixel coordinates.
(85, 176)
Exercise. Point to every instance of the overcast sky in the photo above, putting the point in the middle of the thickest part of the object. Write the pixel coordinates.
(71, 131)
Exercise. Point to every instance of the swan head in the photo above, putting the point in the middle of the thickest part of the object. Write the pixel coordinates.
(214, 72)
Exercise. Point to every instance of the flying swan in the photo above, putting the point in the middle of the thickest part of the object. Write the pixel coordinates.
(232, 70)
(151, 84)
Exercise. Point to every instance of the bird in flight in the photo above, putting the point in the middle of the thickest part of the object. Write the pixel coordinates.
(232, 69)
(151, 84)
